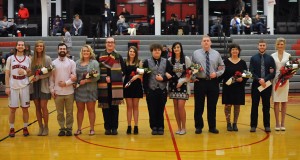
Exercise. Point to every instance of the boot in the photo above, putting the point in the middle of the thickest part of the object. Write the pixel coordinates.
(128, 130)
(234, 127)
(229, 128)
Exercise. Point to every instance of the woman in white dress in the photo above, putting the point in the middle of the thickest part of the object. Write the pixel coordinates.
(280, 96)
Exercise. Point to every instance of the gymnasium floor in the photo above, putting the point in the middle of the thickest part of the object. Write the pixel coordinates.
(144, 146)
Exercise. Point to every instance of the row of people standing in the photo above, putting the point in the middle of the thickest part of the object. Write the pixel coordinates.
(110, 91)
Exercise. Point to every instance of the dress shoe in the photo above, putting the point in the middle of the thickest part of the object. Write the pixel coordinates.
(114, 132)
(107, 132)
(68, 133)
(234, 127)
(268, 129)
(92, 132)
(214, 130)
(282, 128)
(198, 131)
(154, 131)
(253, 129)
(160, 131)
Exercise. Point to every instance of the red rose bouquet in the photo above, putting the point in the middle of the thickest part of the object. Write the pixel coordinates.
(233, 79)
(40, 71)
(286, 72)
(87, 75)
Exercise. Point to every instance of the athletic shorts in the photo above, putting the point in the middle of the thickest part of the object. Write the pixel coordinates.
(19, 97)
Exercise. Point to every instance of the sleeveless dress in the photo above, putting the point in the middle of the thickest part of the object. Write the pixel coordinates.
(281, 94)
(135, 89)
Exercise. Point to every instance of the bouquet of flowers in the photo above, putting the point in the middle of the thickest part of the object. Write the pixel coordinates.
(87, 75)
(247, 74)
(141, 71)
(193, 69)
(287, 72)
(233, 79)
(41, 71)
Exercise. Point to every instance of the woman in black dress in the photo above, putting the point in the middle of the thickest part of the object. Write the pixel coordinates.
(233, 94)
(134, 91)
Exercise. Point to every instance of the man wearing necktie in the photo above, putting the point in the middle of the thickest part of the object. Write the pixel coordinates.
(206, 84)
(262, 67)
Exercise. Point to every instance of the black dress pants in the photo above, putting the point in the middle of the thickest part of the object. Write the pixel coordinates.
(156, 101)
(210, 89)
(111, 117)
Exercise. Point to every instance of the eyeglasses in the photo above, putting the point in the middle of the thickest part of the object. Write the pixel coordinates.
(110, 42)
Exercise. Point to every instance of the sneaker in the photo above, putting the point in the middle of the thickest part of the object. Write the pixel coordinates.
(25, 132)
(12, 132)
(68, 133)
(61, 133)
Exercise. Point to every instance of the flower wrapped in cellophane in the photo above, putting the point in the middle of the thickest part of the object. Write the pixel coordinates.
(286, 72)
(193, 69)
(41, 71)
(142, 71)
(87, 75)
(247, 74)
(234, 78)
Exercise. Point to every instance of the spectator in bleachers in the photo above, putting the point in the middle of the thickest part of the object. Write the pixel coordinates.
(193, 26)
(173, 25)
(246, 22)
(121, 24)
(7, 27)
(28, 52)
(57, 25)
(23, 14)
(11, 52)
(257, 24)
(2, 71)
(235, 23)
(77, 26)
(239, 7)
(217, 24)
(107, 17)
(67, 39)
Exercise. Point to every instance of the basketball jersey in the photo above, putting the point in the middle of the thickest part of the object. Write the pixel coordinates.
(15, 63)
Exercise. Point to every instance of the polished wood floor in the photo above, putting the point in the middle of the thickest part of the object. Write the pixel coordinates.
(144, 146)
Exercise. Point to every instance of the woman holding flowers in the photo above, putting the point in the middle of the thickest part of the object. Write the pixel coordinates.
(39, 88)
(132, 88)
(87, 72)
(179, 88)
(280, 95)
(234, 92)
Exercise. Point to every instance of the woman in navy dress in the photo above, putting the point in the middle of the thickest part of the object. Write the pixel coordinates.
(233, 94)
(134, 91)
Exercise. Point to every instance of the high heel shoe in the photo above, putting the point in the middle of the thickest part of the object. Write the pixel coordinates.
(40, 131)
(78, 132)
(135, 130)
(282, 128)
(128, 130)
(234, 127)
(277, 128)
(182, 132)
(229, 127)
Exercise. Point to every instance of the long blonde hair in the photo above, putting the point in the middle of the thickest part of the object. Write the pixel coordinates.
(92, 56)
(35, 55)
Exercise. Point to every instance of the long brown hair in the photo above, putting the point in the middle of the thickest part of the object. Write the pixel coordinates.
(35, 55)
(136, 57)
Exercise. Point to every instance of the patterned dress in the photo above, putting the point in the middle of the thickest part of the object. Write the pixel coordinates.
(177, 73)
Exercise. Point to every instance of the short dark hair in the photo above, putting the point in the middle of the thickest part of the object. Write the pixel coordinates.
(155, 46)
(61, 44)
(67, 27)
(234, 45)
